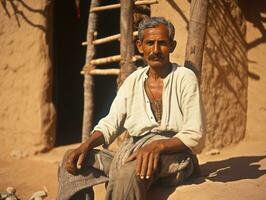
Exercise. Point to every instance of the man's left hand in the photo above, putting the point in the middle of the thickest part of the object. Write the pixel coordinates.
(147, 159)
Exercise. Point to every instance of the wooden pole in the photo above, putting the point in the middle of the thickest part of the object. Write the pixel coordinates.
(126, 43)
(88, 81)
(196, 35)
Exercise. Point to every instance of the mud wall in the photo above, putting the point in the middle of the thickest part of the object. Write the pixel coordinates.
(224, 71)
(224, 75)
(27, 115)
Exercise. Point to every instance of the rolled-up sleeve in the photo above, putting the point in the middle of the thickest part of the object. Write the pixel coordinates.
(112, 125)
(192, 131)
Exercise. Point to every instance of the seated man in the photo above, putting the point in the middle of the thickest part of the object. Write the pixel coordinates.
(159, 106)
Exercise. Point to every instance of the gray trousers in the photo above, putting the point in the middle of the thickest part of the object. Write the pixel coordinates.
(123, 183)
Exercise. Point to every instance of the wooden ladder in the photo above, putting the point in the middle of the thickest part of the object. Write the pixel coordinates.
(126, 58)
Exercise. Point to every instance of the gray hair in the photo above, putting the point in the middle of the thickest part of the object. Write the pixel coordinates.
(153, 22)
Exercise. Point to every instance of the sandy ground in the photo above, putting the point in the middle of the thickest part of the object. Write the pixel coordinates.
(238, 172)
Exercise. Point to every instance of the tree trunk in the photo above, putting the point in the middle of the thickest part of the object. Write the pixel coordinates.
(126, 43)
(196, 35)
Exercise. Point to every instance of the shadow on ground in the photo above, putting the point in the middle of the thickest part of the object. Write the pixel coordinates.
(232, 169)
(229, 170)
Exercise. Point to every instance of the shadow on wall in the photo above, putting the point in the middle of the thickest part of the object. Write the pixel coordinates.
(233, 56)
(253, 12)
(17, 12)
(15, 9)
(226, 52)
(175, 6)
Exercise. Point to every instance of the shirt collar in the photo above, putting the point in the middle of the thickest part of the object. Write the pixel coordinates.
(145, 76)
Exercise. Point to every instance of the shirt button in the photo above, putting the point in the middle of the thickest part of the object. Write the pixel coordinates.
(151, 117)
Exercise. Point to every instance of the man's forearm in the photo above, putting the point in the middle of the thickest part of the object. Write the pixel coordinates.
(96, 139)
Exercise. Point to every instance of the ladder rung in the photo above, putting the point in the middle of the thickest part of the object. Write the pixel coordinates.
(116, 58)
(114, 6)
(109, 59)
(102, 8)
(147, 2)
(101, 71)
(107, 39)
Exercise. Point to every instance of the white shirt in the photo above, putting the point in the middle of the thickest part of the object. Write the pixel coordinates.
(181, 108)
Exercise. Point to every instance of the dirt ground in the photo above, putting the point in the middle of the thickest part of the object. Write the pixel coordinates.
(237, 172)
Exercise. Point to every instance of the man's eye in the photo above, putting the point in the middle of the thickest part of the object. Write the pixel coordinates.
(163, 43)
(149, 43)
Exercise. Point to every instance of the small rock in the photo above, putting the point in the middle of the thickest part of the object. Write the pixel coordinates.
(11, 190)
(40, 195)
(9, 195)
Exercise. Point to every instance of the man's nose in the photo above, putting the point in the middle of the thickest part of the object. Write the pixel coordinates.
(156, 48)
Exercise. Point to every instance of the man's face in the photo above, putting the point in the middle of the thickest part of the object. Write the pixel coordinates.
(156, 46)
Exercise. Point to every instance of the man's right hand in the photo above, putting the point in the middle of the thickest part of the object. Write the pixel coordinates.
(75, 159)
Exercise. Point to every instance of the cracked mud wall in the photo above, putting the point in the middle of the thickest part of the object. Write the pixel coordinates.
(224, 78)
(27, 115)
(224, 75)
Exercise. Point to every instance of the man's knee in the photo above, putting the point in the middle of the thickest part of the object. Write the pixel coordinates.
(125, 184)
(127, 177)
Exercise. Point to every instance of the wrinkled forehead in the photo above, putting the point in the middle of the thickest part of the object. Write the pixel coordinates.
(158, 32)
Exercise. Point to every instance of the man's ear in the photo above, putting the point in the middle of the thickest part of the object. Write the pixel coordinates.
(139, 46)
(173, 45)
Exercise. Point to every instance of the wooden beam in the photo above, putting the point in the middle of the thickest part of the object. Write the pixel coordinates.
(108, 39)
(110, 59)
(115, 6)
(126, 43)
(103, 8)
(148, 2)
(196, 35)
(114, 71)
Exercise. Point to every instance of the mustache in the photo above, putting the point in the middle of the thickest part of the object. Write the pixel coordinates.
(155, 56)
